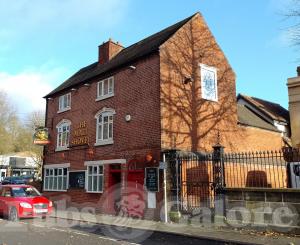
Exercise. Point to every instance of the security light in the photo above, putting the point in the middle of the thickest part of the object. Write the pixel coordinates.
(132, 68)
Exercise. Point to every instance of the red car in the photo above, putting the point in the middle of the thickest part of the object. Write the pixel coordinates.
(23, 201)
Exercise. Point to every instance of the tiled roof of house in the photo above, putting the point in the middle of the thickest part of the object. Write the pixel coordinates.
(127, 55)
(249, 118)
(272, 110)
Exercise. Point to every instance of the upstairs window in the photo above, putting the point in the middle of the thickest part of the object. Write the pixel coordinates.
(63, 135)
(105, 88)
(209, 85)
(64, 102)
(104, 127)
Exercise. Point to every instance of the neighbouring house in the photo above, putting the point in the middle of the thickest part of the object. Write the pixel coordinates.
(294, 107)
(17, 164)
(261, 121)
(114, 118)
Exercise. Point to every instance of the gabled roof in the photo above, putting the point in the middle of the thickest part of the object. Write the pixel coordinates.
(127, 55)
(249, 118)
(272, 110)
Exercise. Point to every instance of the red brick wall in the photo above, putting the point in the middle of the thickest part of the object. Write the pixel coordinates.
(254, 139)
(135, 93)
(188, 121)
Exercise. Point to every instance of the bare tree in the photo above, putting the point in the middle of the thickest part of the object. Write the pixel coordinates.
(292, 13)
(34, 120)
(8, 124)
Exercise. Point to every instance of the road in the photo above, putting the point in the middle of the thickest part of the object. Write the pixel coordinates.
(59, 232)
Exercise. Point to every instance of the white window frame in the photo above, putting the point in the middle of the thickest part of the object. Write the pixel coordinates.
(59, 126)
(105, 112)
(49, 172)
(91, 174)
(61, 103)
(101, 95)
(204, 68)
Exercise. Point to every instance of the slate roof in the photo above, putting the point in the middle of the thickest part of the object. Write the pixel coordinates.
(250, 118)
(272, 110)
(126, 56)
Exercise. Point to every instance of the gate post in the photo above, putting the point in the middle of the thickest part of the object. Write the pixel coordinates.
(174, 180)
(219, 184)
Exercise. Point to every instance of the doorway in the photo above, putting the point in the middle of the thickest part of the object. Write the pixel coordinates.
(136, 194)
(115, 179)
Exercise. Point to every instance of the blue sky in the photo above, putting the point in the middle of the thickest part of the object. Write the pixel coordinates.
(42, 43)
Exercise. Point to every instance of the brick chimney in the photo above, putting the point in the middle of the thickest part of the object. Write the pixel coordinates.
(108, 50)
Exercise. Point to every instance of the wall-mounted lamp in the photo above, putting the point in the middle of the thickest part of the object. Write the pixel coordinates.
(132, 68)
(128, 118)
(49, 98)
(86, 84)
(73, 89)
(187, 80)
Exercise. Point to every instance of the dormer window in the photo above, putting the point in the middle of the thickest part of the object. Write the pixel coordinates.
(64, 102)
(105, 88)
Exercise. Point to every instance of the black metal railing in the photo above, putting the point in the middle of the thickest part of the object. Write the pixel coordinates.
(265, 169)
(196, 179)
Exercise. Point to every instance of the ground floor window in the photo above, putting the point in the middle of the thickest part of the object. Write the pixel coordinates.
(95, 178)
(55, 179)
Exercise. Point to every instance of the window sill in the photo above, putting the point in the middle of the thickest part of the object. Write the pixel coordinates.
(94, 192)
(63, 110)
(104, 97)
(62, 149)
(104, 142)
(55, 190)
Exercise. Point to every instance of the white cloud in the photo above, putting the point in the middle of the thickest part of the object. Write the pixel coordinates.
(27, 88)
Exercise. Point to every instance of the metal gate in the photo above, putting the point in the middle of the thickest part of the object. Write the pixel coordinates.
(195, 179)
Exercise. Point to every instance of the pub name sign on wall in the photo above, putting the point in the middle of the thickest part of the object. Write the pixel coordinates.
(80, 136)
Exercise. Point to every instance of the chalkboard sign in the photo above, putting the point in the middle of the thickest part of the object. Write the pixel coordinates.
(152, 177)
(77, 179)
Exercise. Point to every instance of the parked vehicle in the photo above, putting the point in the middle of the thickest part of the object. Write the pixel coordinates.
(13, 180)
(23, 201)
(17, 180)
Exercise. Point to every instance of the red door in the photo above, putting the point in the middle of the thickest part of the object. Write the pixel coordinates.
(134, 198)
(114, 197)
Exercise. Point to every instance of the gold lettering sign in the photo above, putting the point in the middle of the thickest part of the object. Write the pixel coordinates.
(80, 134)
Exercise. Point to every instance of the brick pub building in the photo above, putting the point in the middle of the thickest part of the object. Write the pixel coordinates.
(111, 119)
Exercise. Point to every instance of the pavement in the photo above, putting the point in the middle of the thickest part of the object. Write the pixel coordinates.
(138, 230)
(56, 231)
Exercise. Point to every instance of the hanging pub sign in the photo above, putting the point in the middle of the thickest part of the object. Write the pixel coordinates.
(41, 136)
(152, 179)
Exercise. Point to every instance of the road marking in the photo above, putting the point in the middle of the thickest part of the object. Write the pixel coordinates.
(58, 229)
(108, 238)
(39, 225)
(79, 233)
